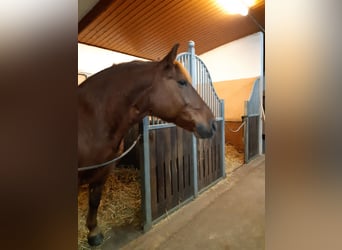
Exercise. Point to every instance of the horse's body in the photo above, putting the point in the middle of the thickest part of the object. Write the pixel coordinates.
(113, 100)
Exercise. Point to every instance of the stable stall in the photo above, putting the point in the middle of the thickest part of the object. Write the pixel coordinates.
(242, 113)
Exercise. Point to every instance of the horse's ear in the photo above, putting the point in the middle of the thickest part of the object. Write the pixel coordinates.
(171, 56)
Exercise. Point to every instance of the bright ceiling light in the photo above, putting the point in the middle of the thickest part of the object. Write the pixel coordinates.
(236, 6)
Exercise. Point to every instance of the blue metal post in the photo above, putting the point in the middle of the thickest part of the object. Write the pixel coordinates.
(193, 74)
(223, 144)
(146, 194)
(191, 50)
(261, 88)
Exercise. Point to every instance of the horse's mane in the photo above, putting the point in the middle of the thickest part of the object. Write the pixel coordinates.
(141, 63)
(132, 63)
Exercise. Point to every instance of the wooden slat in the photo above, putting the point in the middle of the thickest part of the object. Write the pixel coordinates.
(187, 165)
(167, 170)
(137, 31)
(219, 152)
(153, 174)
(114, 21)
(171, 180)
(160, 171)
(180, 166)
(200, 159)
(173, 166)
(209, 159)
(253, 136)
(209, 167)
(95, 13)
(101, 22)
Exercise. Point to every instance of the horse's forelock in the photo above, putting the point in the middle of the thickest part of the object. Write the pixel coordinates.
(183, 71)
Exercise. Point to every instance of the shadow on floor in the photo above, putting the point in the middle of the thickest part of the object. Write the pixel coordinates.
(120, 236)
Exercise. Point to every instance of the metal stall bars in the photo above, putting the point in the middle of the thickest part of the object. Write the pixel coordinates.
(209, 153)
(251, 120)
(177, 165)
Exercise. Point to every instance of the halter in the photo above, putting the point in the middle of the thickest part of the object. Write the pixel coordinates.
(111, 161)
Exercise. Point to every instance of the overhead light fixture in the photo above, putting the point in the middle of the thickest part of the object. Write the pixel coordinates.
(236, 6)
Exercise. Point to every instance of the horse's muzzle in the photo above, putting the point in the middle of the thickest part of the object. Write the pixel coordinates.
(203, 131)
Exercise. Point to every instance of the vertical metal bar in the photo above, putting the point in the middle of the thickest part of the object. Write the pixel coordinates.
(200, 74)
(212, 98)
(246, 133)
(198, 80)
(223, 144)
(215, 108)
(261, 87)
(202, 86)
(207, 93)
(215, 103)
(216, 113)
(195, 167)
(204, 89)
(211, 94)
(146, 194)
(188, 57)
(218, 107)
(247, 138)
(193, 74)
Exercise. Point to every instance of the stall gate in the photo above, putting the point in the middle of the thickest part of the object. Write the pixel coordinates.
(177, 165)
(251, 120)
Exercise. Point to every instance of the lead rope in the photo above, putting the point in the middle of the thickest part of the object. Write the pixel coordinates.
(237, 130)
(111, 161)
(263, 112)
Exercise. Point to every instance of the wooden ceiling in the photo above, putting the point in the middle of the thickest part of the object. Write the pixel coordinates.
(149, 28)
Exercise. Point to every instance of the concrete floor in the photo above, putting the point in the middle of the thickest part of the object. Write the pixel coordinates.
(229, 216)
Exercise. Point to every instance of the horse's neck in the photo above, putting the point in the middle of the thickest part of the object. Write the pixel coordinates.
(130, 106)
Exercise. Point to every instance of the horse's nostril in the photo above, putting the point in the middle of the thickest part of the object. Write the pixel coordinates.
(213, 125)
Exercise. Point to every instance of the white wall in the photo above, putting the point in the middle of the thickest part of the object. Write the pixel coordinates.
(239, 59)
(93, 59)
(235, 60)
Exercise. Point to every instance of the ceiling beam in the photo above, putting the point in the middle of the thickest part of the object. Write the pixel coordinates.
(101, 6)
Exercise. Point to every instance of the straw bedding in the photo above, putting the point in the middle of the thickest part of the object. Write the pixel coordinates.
(121, 199)
(233, 159)
(120, 204)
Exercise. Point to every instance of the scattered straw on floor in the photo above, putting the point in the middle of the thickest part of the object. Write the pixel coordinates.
(120, 204)
(233, 158)
(121, 200)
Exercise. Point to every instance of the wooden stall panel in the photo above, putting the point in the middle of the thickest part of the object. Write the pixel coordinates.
(253, 131)
(209, 159)
(153, 173)
(171, 167)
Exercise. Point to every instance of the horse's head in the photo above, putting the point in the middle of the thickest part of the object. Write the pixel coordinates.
(174, 99)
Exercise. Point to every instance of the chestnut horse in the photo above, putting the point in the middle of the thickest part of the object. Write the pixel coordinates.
(113, 100)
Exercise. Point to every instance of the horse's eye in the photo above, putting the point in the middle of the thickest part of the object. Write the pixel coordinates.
(182, 82)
